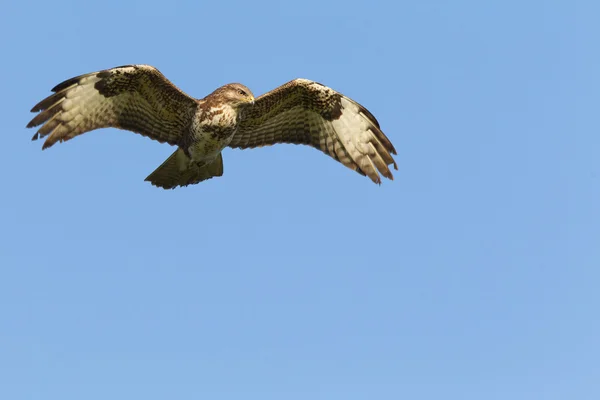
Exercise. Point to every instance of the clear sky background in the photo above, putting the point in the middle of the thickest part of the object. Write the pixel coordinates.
(473, 275)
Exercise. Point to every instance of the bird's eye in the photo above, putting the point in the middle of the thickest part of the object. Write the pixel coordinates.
(240, 91)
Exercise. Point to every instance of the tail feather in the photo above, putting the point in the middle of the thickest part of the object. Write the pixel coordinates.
(178, 171)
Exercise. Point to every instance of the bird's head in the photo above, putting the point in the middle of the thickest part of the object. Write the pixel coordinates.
(237, 95)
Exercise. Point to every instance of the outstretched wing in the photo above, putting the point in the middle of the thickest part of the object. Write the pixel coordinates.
(133, 97)
(306, 112)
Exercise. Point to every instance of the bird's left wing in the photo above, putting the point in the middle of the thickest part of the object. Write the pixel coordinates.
(306, 112)
(137, 98)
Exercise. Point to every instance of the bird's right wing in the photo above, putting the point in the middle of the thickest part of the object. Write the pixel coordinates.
(306, 112)
(137, 98)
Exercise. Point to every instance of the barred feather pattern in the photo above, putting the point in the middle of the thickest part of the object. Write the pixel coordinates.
(140, 99)
(132, 97)
(306, 112)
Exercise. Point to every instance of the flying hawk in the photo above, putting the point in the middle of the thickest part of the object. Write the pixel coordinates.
(139, 98)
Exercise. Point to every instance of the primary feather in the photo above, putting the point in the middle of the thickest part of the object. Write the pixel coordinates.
(140, 99)
(135, 97)
(306, 112)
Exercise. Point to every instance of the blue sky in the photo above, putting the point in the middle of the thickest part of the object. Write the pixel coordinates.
(473, 275)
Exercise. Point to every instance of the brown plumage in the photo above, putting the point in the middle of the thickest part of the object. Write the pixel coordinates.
(140, 99)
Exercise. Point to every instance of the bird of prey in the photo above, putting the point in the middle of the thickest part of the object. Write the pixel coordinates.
(139, 98)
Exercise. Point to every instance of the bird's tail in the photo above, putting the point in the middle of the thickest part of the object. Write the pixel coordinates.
(177, 170)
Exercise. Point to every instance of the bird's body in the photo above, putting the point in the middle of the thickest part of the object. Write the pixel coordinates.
(140, 99)
(209, 132)
(212, 128)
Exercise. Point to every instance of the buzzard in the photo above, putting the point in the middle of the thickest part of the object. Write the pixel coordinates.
(139, 98)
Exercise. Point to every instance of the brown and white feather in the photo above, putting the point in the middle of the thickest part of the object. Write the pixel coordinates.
(306, 112)
(134, 97)
(140, 99)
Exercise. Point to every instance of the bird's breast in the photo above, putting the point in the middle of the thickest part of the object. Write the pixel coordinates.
(211, 131)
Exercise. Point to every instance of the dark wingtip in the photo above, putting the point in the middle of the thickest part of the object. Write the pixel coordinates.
(48, 143)
(70, 82)
(40, 106)
(368, 114)
(66, 84)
